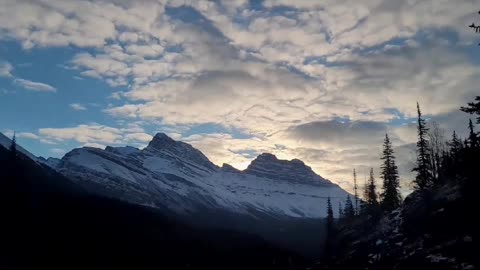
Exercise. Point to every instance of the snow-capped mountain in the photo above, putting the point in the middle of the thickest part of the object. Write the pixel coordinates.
(173, 174)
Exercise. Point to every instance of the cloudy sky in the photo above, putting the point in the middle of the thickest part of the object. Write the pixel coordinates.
(321, 81)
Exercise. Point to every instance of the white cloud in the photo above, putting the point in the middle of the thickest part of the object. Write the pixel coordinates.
(27, 135)
(5, 69)
(78, 107)
(151, 50)
(95, 134)
(94, 145)
(281, 76)
(58, 151)
(139, 137)
(35, 86)
(83, 134)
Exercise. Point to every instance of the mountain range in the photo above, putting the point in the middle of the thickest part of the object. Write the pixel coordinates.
(279, 200)
(174, 175)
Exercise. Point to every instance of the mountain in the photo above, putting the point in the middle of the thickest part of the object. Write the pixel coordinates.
(51, 221)
(7, 142)
(174, 175)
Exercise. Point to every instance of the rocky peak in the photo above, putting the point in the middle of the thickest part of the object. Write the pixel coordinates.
(161, 140)
(269, 166)
(165, 146)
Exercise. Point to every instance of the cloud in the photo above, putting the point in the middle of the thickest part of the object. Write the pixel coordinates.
(94, 145)
(152, 50)
(5, 69)
(77, 107)
(139, 137)
(96, 134)
(337, 132)
(27, 135)
(83, 134)
(35, 86)
(58, 151)
(284, 72)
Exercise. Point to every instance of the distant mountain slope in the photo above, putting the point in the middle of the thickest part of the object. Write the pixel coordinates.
(7, 142)
(173, 174)
(48, 221)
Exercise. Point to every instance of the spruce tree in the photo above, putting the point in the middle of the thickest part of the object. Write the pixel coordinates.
(390, 196)
(371, 201)
(329, 214)
(355, 188)
(472, 137)
(13, 147)
(340, 210)
(349, 211)
(371, 193)
(455, 145)
(423, 179)
(473, 108)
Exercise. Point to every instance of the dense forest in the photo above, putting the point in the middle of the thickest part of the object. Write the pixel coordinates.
(433, 228)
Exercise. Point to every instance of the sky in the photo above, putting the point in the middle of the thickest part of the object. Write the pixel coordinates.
(321, 81)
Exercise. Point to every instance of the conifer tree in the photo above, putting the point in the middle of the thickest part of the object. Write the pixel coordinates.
(355, 188)
(349, 211)
(371, 192)
(423, 179)
(13, 147)
(390, 196)
(340, 210)
(472, 137)
(473, 108)
(329, 214)
(455, 145)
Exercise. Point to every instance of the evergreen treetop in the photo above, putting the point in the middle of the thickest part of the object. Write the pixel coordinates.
(423, 179)
(390, 196)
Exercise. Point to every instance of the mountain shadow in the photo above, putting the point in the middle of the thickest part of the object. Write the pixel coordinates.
(49, 221)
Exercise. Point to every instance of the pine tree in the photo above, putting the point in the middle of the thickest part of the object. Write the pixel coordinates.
(473, 108)
(455, 145)
(370, 205)
(423, 178)
(13, 147)
(355, 188)
(329, 214)
(390, 196)
(349, 211)
(364, 202)
(371, 192)
(472, 137)
(340, 210)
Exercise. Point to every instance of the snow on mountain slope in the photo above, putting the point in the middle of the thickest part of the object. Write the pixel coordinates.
(173, 174)
(7, 142)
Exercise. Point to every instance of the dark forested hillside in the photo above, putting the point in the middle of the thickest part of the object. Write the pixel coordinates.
(435, 227)
(48, 221)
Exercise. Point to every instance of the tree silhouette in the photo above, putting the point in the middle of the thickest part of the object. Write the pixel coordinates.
(473, 108)
(455, 145)
(390, 196)
(349, 211)
(329, 214)
(472, 137)
(423, 179)
(371, 200)
(13, 147)
(340, 210)
(355, 188)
